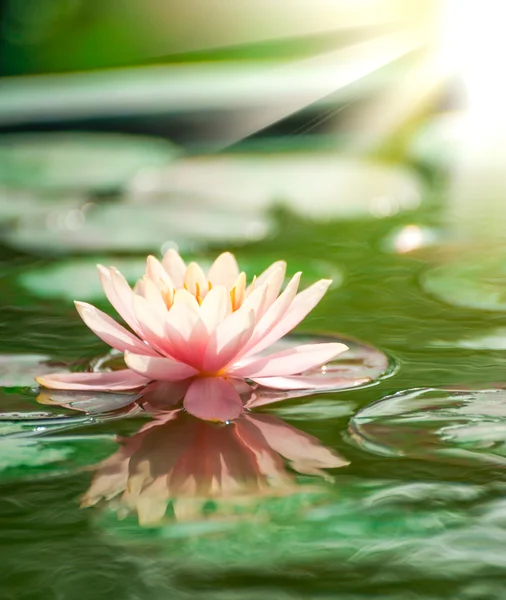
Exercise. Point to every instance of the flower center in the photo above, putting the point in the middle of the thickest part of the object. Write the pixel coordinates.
(237, 292)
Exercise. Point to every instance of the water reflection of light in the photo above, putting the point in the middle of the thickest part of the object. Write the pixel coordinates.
(409, 238)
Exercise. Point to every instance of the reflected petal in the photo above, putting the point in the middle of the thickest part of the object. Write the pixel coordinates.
(213, 399)
(177, 458)
(162, 395)
(305, 452)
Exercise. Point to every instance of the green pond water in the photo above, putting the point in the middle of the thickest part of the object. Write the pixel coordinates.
(418, 513)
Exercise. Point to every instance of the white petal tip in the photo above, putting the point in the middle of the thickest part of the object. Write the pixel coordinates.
(341, 347)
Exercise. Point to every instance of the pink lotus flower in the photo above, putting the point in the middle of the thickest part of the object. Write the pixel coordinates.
(208, 330)
(177, 458)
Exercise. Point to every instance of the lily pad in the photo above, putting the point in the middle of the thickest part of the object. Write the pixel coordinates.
(93, 162)
(21, 416)
(19, 370)
(477, 281)
(135, 227)
(493, 340)
(91, 403)
(17, 204)
(321, 186)
(461, 425)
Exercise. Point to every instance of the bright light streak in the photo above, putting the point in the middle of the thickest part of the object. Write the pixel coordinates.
(474, 48)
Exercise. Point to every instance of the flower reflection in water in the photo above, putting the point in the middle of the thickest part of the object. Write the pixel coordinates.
(183, 462)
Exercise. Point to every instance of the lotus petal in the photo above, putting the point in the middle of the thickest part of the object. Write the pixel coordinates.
(110, 332)
(159, 368)
(224, 270)
(124, 379)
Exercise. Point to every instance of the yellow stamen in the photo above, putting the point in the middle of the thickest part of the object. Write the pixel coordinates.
(197, 293)
(233, 299)
(167, 296)
(237, 292)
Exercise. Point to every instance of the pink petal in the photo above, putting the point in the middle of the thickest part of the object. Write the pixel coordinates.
(215, 307)
(270, 271)
(112, 381)
(194, 349)
(195, 277)
(175, 267)
(159, 368)
(213, 399)
(139, 286)
(239, 289)
(214, 310)
(111, 332)
(224, 270)
(157, 274)
(275, 312)
(152, 294)
(256, 301)
(316, 382)
(228, 339)
(288, 362)
(183, 297)
(182, 320)
(119, 294)
(274, 284)
(151, 320)
(183, 315)
(301, 306)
